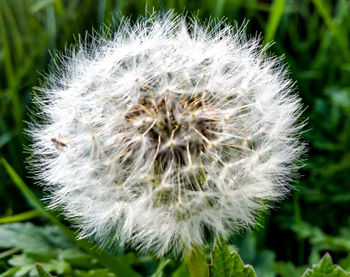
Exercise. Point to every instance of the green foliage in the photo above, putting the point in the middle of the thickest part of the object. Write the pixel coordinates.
(30, 238)
(106, 259)
(312, 35)
(42, 271)
(197, 264)
(262, 259)
(48, 246)
(20, 217)
(288, 269)
(325, 268)
(275, 17)
(160, 268)
(181, 271)
(226, 264)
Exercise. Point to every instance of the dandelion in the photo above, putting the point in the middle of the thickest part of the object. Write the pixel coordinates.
(165, 132)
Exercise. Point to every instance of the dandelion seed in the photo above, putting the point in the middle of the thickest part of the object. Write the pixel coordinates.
(170, 130)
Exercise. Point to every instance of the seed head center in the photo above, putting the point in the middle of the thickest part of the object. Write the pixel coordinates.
(178, 129)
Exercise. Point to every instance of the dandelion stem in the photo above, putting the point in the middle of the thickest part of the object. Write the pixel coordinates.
(197, 264)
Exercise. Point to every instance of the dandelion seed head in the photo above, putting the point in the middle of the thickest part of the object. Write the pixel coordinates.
(165, 131)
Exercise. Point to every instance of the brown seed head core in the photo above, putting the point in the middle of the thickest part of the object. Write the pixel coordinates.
(178, 129)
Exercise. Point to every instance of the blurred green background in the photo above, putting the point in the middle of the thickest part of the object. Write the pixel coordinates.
(314, 38)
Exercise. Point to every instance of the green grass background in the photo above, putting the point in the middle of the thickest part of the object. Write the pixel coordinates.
(314, 38)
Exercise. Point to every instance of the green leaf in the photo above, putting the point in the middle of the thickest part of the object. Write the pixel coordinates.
(219, 7)
(181, 271)
(262, 259)
(225, 264)
(94, 273)
(49, 246)
(333, 27)
(222, 261)
(26, 264)
(287, 269)
(77, 258)
(325, 268)
(31, 238)
(239, 269)
(197, 264)
(274, 19)
(20, 217)
(41, 271)
(345, 263)
(26, 191)
(8, 253)
(9, 272)
(160, 268)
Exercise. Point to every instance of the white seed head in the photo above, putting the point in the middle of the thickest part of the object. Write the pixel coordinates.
(165, 132)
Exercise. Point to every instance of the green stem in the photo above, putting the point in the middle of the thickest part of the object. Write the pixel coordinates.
(20, 217)
(197, 264)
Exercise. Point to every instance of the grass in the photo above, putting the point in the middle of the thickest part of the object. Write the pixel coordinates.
(313, 36)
